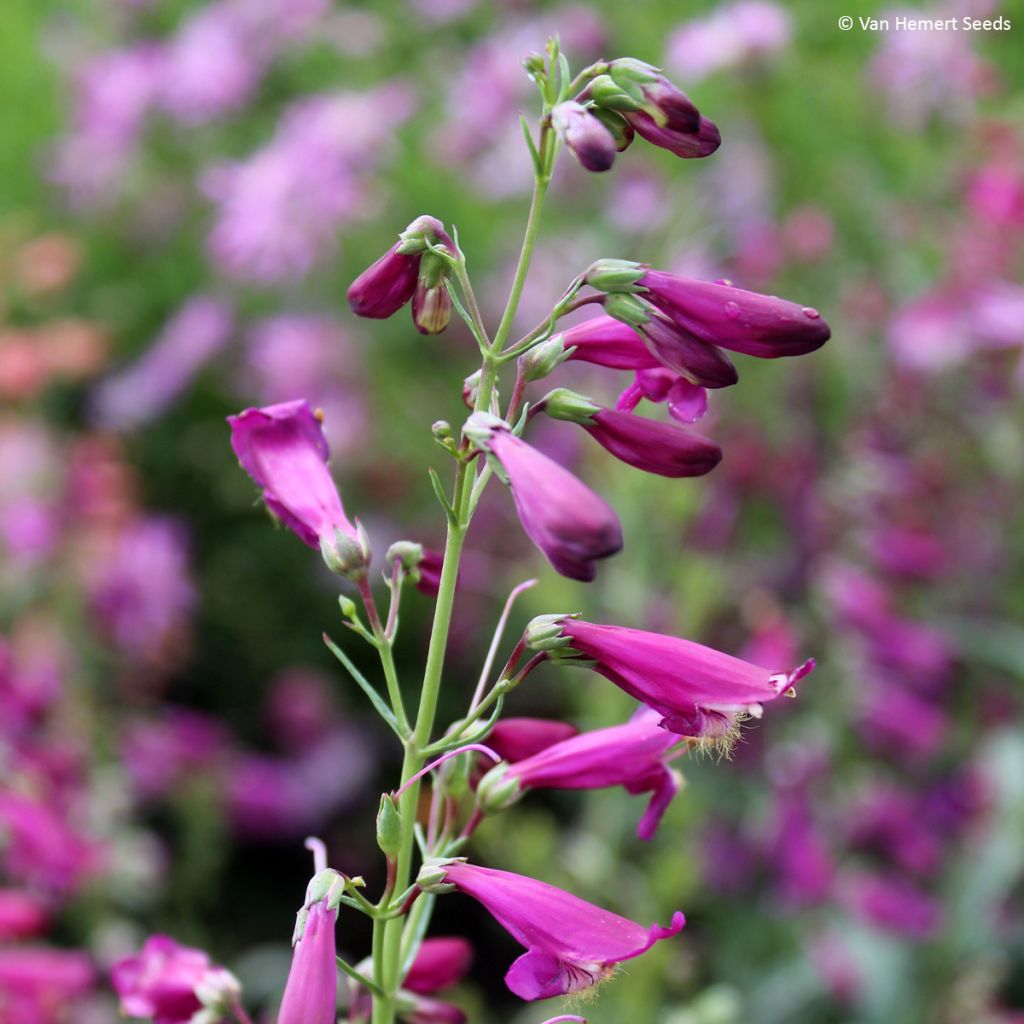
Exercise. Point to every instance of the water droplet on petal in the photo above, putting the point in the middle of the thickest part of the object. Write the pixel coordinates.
(811, 313)
(732, 310)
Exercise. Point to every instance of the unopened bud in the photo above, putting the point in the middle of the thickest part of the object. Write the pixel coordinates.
(480, 427)
(407, 552)
(543, 360)
(431, 308)
(534, 64)
(563, 404)
(456, 775)
(470, 386)
(587, 137)
(614, 275)
(347, 606)
(389, 827)
(496, 791)
(413, 240)
(607, 93)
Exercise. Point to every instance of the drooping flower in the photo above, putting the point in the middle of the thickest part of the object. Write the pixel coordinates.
(605, 341)
(387, 285)
(699, 691)
(720, 314)
(311, 992)
(651, 445)
(282, 447)
(633, 755)
(168, 982)
(571, 945)
(570, 523)
(585, 135)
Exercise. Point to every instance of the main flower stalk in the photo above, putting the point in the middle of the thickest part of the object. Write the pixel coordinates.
(388, 933)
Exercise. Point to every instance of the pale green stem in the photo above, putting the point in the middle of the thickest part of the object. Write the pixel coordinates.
(387, 940)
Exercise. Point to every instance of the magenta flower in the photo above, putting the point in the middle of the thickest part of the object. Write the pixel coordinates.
(311, 992)
(691, 358)
(699, 691)
(161, 981)
(633, 755)
(40, 985)
(894, 905)
(690, 145)
(686, 402)
(385, 287)
(440, 963)
(605, 341)
(282, 447)
(586, 137)
(22, 915)
(570, 523)
(571, 944)
(655, 447)
(515, 739)
(719, 314)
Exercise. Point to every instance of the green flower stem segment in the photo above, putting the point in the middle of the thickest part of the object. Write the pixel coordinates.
(388, 951)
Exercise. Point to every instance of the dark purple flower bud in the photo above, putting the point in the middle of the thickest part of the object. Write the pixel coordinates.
(570, 523)
(384, 288)
(720, 314)
(690, 145)
(588, 139)
(621, 130)
(662, 100)
(515, 739)
(655, 447)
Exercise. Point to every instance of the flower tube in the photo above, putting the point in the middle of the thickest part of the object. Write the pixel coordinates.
(572, 525)
(571, 945)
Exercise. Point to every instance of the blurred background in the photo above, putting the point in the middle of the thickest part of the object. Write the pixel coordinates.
(186, 190)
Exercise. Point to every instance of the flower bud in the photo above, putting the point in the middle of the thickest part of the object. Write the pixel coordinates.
(588, 139)
(413, 240)
(607, 94)
(497, 792)
(534, 64)
(614, 275)
(219, 991)
(563, 404)
(661, 99)
(348, 607)
(431, 308)
(470, 387)
(389, 827)
(407, 552)
(543, 360)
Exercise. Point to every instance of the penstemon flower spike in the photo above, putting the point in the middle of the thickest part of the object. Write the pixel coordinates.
(671, 333)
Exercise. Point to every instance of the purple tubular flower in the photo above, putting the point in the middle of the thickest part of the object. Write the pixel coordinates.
(699, 691)
(588, 139)
(311, 992)
(385, 287)
(440, 963)
(515, 739)
(571, 944)
(690, 145)
(666, 449)
(605, 341)
(561, 515)
(282, 447)
(631, 755)
(664, 101)
(719, 314)
(160, 982)
(673, 346)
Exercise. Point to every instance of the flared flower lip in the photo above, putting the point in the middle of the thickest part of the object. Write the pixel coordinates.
(244, 424)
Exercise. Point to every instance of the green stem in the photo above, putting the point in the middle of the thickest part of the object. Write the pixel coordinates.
(387, 937)
(387, 656)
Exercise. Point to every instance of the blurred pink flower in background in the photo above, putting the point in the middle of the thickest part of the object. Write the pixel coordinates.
(278, 212)
(731, 36)
(145, 389)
